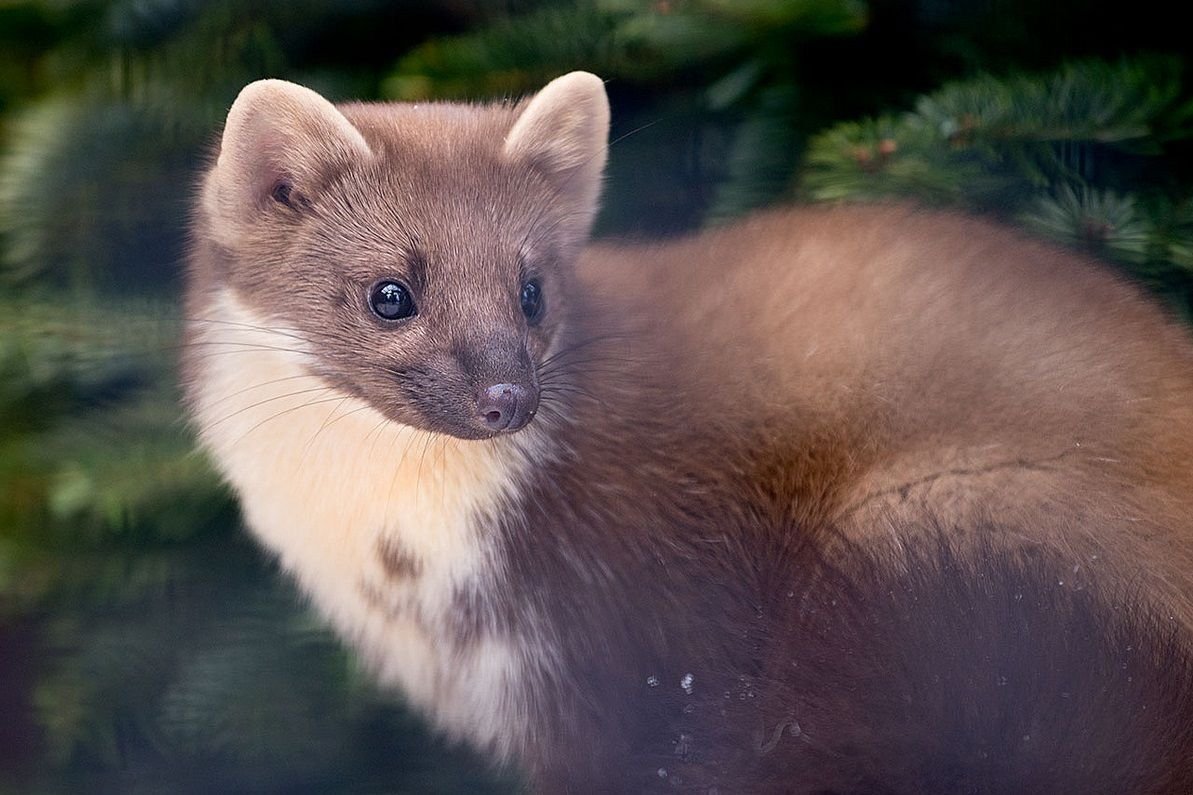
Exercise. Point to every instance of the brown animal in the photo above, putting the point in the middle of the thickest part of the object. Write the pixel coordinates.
(835, 499)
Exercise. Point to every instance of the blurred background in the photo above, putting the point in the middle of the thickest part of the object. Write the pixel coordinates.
(145, 644)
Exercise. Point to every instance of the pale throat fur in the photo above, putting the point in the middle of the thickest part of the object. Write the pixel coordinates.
(387, 524)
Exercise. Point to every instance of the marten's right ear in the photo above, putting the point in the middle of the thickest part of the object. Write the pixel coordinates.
(281, 143)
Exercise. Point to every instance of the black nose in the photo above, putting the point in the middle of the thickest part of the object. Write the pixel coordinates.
(506, 407)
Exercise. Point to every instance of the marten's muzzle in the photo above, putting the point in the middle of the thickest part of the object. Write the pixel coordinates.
(506, 388)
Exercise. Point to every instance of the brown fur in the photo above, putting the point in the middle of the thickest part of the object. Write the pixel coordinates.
(932, 365)
(839, 499)
(957, 436)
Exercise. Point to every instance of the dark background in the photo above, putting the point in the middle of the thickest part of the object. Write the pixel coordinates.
(145, 644)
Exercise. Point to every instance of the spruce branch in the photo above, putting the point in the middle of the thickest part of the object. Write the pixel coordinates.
(1072, 155)
(1102, 222)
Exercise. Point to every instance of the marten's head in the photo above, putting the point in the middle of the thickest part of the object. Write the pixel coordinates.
(421, 252)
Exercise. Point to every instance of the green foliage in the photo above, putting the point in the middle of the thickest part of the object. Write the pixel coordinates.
(80, 171)
(92, 453)
(510, 56)
(1102, 221)
(882, 157)
(645, 42)
(1023, 131)
(1083, 155)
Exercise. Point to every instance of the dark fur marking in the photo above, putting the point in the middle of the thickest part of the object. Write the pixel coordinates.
(400, 607)
(376, 600)
(397, 562)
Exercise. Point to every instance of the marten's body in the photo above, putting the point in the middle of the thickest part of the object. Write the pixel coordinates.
(833, 499)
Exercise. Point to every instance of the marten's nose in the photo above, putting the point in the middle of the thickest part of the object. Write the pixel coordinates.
(506, 407)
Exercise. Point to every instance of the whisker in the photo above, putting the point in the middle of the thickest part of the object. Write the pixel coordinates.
(256, 327)
(418, 478)
(571, 393)
(586, 342)
(310, 442)
(634, 131)
(261, 385)
(309, 403)
(376, 431)
(248, 326)
(583, 367)
(401, 466)
(260, 346)
(356, 410)
(251, 406)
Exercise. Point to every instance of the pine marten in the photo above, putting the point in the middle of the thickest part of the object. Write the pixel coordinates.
(849, 499)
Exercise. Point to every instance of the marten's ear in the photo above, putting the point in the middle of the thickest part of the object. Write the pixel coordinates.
(562, 132)
(281, 143)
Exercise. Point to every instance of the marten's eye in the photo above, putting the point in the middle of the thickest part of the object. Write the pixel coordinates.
(532, 301)
(391, 301)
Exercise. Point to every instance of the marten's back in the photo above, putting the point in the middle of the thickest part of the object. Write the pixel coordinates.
(933, 367)
(943, 327)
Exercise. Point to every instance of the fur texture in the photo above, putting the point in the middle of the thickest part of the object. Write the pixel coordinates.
(829, 500)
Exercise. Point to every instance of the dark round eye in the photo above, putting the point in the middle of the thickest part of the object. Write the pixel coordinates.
(391, 301)
(532, 301)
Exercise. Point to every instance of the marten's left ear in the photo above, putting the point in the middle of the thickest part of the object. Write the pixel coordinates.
(563, 131)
